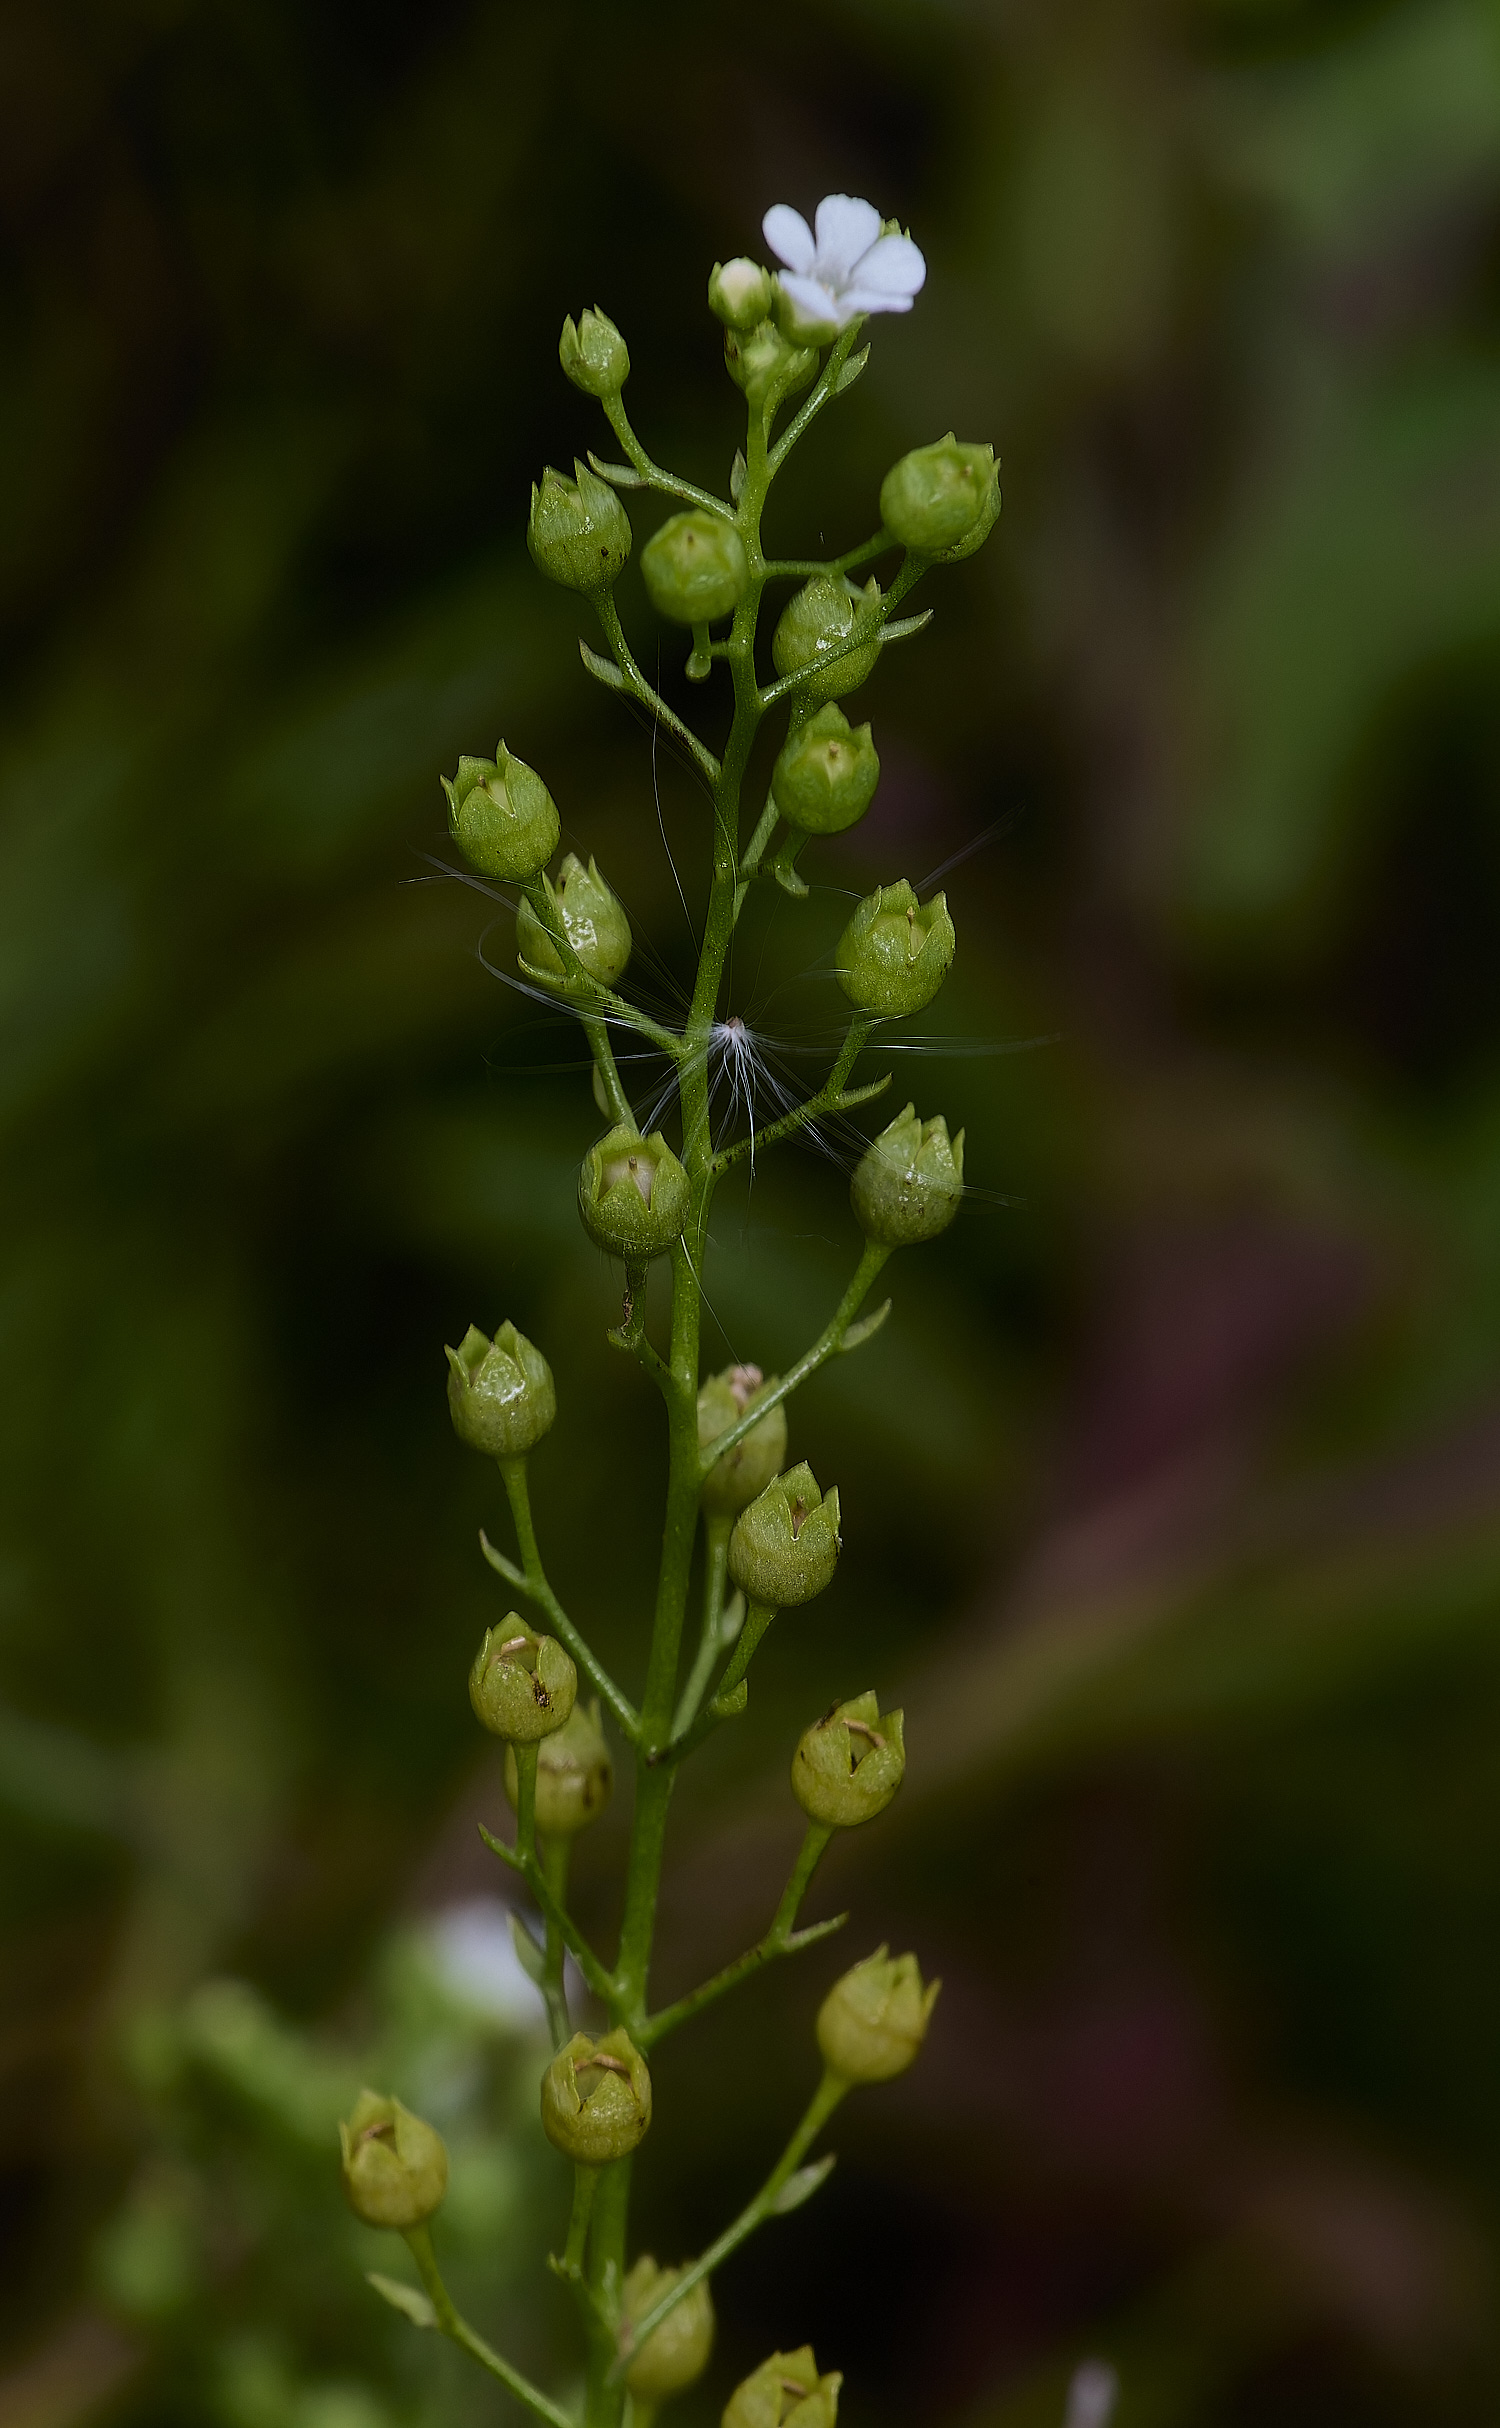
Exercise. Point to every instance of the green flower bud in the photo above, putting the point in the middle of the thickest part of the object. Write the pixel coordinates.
(740, 293)
(908, 1183)
(826, 775)
(501, 816)
(678, 2352)
(980, 529)
(895, 952)
(745, 1472)
(785, 1546)
(849, 1764)
(596, 2099)
(574, 1774)
(500, 1392)
(935, 496)
(785, 2392)
(820, 619)
(521, 1685)
(633, 1195)
(761, 359)
(395, 2166)
(589, 916)
(695, 568)
(594, 355)
(873, 2021)
(579, 533)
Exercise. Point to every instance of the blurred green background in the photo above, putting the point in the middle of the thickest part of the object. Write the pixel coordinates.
(1172, 1488)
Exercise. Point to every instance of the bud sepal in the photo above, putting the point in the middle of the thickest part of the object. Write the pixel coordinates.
(594, 354)
(931, 500)
(740, 293)
(578, 532)
(785, 2392)
(522, 1686)
(584, 910)
(501, 816)
(825, 777)
(785, 1545)
(395, 2167)
(677, 2352)
(895, 952)
(820, 621)
(596, 2099)
(873, 2022)
(574, 1774)
(633, 1195)
(738, 1478)
(695, 568)
(909, 1182)
(849, 1764)
(500, 1392)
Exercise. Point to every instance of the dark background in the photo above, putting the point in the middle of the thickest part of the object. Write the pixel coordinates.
(1171, 1490)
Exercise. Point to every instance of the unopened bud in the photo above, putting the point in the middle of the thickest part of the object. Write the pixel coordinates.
(981, 527)
(596, 2099)
(819, 621)
(785, 1546)
(500, 1392)
(933, 498)
(849, 1764)
(761, 360)
(588, 914)
(633, 1195)
(522, 1685)
(501, 816)
(895, 952)
(785, 2392)
(826, 775)
(745, 1471)
(677, 2352)
(574, 1774)
(873, 2021)
(594, 355)
(909, 1182)
(695, 568)
(395, 2167)
(740, 293)
(579, 533)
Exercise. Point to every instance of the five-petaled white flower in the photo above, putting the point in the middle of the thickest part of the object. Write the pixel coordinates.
(846, 269)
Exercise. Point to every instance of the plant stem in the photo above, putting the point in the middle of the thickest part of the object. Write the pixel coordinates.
(555, 1853)
(780, 1940)
(458, 2331)
(828, 1340)
(717, 1530)
(518, 1493)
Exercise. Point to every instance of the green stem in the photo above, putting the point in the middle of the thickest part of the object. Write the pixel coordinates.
(518, 1493)
(458, 2331)
(605, 2396)
(614, 633)
(824, 1347)
(718, 1527)
(782, 1939)
(824, 2100)
(652, 475)
(555, 1854)
(526, 1802)
(832, 1097)
(585, 2185)
(557, 1915)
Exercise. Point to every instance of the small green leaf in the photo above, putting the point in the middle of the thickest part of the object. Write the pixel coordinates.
(603, 670)
(737, 476)
(501, 1565)
(408, 2299)
(909, 623)
(623, 476)
(851, 371)
(864, 1330)
(533, 1959)
(802, 2185)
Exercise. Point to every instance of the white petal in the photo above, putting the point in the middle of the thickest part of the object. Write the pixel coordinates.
(892, 267)
(789, 237)
(869, 299)
(816, 311)
(846, 228)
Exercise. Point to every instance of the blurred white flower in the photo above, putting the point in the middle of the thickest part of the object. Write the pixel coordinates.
(847, 268)
(476, 1961)
(1091, 2397)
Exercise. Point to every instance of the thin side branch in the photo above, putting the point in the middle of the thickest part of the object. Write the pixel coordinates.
(824, 1347)
(651, 475)
(458, 2331)
(782, 1939)
(600, 1981)
(651, 700)
(533, 1583)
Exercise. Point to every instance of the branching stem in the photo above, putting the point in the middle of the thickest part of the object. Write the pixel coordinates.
(458, 2331)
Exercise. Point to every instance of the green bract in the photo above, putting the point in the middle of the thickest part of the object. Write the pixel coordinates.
(826, 775)
(500, 1392)
(761, 360)
(596, 2099)
(785, 2392)
(695, 568)
(633, 1195)
(574, 1774)
(501, 816)
(735, 1480)
(817, 626)
(395, 2167)
(677, 2352)
(934, 497)
(785, 1546)
(895, 952)
(579, 533)
(874, 2020)
(740, 293)
(594, 354)
(521, 1685)
(849, 1764)
(909, 1182)
(590, 917)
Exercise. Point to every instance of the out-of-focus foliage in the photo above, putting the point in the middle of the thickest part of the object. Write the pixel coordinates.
(1172, 1488)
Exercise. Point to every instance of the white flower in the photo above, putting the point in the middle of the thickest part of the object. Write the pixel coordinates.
(846, 269)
